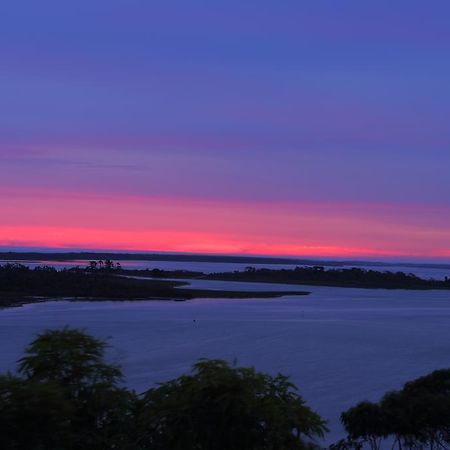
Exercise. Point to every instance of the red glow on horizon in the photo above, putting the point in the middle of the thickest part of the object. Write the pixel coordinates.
(80, 221)
(161, 241)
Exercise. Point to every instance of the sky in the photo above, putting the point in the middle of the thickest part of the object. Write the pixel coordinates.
(300, 128)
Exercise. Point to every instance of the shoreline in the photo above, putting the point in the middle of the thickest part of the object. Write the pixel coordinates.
(211, 295)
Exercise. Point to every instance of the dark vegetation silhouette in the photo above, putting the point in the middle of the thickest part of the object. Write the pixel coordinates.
(105, 279)
(106, 265)
(160, 273)
(20, 284)
(317, 275)
(180, 257)
(415, 417)
(65, 396)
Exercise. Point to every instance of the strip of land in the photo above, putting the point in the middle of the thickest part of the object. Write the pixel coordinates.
(187, 257)
(106, 280)
(312, 276)
(20, 284)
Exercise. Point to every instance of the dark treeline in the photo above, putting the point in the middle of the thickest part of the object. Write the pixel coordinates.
(160, 273)
(250, 260)
(19, 281)
(102, 280)
(415, 417)
(318, 275)
(107, 280)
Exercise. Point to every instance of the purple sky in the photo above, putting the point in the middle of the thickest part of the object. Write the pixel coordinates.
(314, 105)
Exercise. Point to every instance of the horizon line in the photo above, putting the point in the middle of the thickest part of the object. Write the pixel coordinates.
(388, 260)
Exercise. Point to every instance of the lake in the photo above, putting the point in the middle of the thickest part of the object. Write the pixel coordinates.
(339, 345)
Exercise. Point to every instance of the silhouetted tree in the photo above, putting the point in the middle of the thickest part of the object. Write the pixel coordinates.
(415, 417)
(66, 397)
(365, 423)
(221, 407)
(109, 265)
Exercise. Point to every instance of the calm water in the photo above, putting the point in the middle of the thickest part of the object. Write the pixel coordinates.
(339, 345)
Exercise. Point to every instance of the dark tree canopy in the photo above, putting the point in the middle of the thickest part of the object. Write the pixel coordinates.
(69, 357)
(415, 417)
(221, 407)
(67, 397)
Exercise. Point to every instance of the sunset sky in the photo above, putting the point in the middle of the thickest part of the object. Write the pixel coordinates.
(303, 128)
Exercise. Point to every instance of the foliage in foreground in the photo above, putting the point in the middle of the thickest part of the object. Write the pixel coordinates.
(415, 417)
(66, 397)
(223, 407)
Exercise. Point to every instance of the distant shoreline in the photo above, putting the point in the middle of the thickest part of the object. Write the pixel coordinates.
(74, 256)
(108, 281)
(20, 284)
(303, 276)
